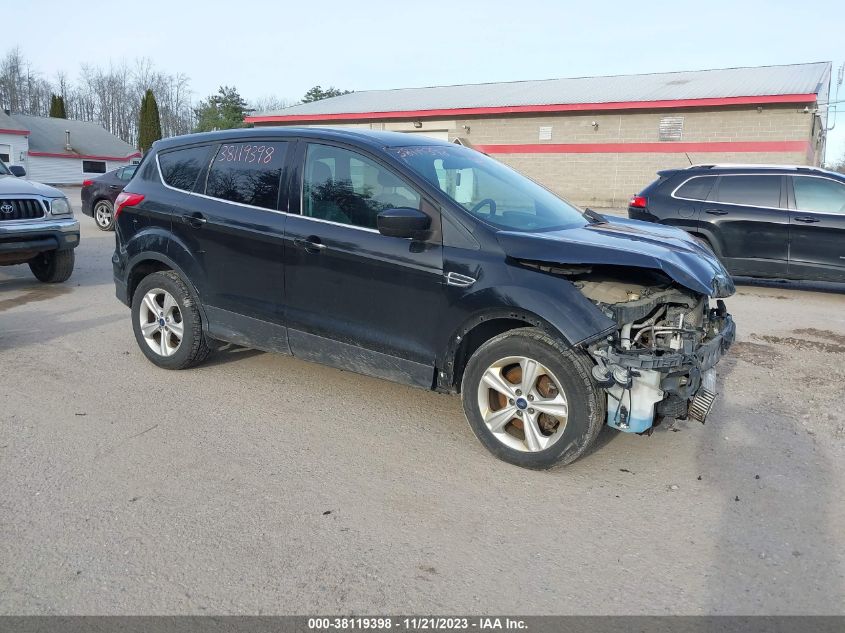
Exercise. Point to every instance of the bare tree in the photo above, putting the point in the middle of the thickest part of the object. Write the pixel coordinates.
(269, 103)
(110, 97)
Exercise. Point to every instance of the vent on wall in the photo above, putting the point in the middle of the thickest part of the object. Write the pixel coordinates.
(545, 133)
(671, 128)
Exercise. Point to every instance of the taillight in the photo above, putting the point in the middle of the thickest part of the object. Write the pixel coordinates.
(126, 199)
(87, 183)
(638, 202)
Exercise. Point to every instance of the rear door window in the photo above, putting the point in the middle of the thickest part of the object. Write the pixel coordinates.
(181, 168)
(696, 188)
(819, 194)
(247, 173)
(752, 190)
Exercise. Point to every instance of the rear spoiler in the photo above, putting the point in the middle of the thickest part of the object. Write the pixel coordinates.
(666, 173)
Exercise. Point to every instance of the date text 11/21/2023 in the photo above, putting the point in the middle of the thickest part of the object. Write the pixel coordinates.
(417, 623)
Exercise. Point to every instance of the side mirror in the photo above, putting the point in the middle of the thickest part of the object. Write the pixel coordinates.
(402, 222)
(17, 170)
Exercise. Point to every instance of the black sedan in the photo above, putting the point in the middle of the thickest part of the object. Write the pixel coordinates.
(761, 220)
(98, 195)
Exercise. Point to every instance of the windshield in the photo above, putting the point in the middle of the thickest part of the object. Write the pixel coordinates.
(4, 170)
(489, 190)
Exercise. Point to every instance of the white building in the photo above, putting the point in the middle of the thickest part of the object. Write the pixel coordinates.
(61, 151)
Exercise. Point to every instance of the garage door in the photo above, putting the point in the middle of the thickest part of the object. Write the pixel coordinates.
(440, 135)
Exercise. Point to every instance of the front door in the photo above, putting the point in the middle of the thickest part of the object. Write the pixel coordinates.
(817, 228)
(355, 298)
(750, 217)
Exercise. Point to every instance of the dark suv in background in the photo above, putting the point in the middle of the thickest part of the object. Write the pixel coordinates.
(425, 263)
(761, 220)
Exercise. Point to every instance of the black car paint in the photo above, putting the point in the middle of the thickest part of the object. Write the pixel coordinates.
(105, 187)
(757, 241)
(351, 297)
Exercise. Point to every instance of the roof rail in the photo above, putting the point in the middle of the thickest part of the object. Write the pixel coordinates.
(754, 166)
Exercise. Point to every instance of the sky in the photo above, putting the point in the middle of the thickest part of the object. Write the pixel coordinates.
(283, 48)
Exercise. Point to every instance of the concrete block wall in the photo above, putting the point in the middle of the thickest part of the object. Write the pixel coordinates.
(603, 179)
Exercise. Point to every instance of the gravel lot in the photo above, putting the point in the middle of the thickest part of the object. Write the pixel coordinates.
(261, 484)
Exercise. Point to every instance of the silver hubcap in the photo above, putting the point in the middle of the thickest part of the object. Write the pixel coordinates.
(522, 404)
(161, 322)
(102, 213)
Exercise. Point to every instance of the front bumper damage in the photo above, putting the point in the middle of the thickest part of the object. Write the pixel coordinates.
(643, 387)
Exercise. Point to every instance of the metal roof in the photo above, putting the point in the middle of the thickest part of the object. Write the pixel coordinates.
(47, 135)
(795, 79)
(8, 123)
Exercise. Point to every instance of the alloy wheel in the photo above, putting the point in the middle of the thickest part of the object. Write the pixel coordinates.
(522, 404)
(103, 214)
(160, 321)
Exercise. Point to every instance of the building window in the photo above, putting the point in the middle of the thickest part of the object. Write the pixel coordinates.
(94, 166)
(671, 128)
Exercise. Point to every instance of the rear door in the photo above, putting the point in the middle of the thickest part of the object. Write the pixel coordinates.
(747, 213)
(683, 207)
(355, 298)
(233, 226)
(817, 228)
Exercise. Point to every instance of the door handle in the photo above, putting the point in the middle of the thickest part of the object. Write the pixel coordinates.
(716, 212)
(806, 219)
(196, 220)
(311, 243)
(114, 186)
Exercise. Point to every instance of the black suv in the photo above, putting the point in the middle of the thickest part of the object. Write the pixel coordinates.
(761, 220)
(426, 263)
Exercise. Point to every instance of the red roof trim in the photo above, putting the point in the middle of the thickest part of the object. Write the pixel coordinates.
(561, 107)
(667, 147)
(86, 157)
(20, 132)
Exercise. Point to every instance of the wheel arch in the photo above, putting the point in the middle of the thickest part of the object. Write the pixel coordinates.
(145, 264)
(476, 331)
(708, 235)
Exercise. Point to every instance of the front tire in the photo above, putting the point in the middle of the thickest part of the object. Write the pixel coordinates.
(53, 267)
(167, 322)
(531, 400)
(104, 215)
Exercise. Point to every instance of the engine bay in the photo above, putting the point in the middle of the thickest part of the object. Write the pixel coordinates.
(659, 363)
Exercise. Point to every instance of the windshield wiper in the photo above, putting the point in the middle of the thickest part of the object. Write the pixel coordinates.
(595, 218)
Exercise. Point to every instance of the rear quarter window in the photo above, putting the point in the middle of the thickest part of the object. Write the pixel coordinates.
(697, 188)
(180, 168)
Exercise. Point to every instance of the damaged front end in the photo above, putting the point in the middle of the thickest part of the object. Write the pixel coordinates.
(660, 361)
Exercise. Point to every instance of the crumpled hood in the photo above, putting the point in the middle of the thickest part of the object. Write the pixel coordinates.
(13, 186)
(624, 242)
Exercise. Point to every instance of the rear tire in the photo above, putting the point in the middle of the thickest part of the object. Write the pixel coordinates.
(104, 215)
(53, 267)
(545, 411)
(167, 322)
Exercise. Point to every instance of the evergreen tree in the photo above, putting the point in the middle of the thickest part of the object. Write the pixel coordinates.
(317, 93)
(57, 107)
(224, 111)
(149, 125)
